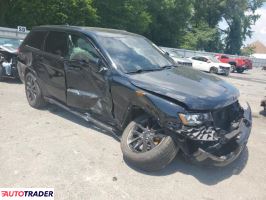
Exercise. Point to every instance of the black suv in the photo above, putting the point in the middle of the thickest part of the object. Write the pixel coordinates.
(124, 83)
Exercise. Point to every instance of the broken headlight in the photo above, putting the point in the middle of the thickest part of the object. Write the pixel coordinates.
(195, 119)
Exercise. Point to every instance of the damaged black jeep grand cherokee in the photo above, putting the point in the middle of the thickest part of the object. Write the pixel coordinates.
(123, 83)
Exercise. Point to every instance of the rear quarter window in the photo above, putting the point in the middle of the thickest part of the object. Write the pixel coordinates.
(35, 39)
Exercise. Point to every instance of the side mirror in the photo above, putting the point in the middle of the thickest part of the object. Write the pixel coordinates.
(98, 65)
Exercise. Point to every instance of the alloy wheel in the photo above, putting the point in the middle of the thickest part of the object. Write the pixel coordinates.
(145, 136)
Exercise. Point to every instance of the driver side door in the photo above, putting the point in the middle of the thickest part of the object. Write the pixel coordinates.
(87, 77)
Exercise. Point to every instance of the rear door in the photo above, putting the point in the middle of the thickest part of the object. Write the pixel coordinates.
(87, 77)
(30, 50)
(52, 70)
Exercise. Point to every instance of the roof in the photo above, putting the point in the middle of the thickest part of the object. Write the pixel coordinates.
(259, 47)
(92, 30)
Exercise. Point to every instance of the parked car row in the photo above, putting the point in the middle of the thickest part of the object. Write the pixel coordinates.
(125, 84)
(217, 64)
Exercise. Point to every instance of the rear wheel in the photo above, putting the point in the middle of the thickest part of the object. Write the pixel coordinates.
(33, 91)
(145, 145)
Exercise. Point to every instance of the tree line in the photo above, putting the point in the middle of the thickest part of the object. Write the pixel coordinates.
(190, 24)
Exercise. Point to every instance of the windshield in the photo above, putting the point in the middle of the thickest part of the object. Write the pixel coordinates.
(14, 43)
(133, 53)
(214, 59)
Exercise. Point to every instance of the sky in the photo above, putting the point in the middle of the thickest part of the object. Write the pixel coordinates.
(259, 29)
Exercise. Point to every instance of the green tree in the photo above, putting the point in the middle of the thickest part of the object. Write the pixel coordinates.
(240, 16)
(38, 12)
(129, 15)
(202, 38)
(169, 21)
(203, 30)
(3, 10)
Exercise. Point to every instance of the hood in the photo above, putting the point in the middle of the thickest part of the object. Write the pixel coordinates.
(225, 65)
(8, 49)
(182, 60)
(197, 90)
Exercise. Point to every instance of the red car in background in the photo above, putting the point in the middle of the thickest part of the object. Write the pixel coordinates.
(238, 64)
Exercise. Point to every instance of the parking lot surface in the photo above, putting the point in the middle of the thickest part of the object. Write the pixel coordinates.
(52, 148)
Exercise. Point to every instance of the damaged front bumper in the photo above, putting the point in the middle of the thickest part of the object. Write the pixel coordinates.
(238, 138)
(214, 146)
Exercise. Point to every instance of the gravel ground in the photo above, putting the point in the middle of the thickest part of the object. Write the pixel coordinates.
(52, 148)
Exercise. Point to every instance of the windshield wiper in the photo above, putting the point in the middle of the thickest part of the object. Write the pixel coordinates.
(139, 71)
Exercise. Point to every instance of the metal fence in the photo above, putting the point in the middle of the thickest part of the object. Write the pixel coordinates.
(12, 33)
(257, 62)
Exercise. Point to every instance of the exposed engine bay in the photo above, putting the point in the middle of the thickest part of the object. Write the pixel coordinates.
(8, 62)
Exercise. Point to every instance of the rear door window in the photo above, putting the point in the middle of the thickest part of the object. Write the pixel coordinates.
(36, 39)
(56, 43)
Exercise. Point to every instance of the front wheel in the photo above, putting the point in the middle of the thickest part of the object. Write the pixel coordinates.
(145, 145)
(213, 70)
(227, 73)
(240, 70)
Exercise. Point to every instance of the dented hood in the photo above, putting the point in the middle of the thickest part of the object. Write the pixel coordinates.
(197, 90)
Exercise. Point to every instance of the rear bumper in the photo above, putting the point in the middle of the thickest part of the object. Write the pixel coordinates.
(240, 139)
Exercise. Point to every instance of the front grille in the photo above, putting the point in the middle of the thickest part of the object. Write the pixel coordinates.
(223, 118)
(224, 68)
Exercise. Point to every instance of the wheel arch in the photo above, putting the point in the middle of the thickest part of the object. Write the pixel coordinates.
(133, 112)
(29, 69)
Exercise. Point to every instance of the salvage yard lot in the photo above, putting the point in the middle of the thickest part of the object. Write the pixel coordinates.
(53, 148)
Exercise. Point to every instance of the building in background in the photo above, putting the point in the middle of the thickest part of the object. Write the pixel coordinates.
(259, 50)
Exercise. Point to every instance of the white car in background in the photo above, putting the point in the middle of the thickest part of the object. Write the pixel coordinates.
(180, 60)
(210, 64)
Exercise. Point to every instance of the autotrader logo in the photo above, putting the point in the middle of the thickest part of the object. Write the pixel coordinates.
(26, 193)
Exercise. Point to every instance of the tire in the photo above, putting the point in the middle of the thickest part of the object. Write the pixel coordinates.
(240, 70)
(33, 92)
(1, 72)
(227, 73)
(154, 159)
(233, 68)
(213, 70)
